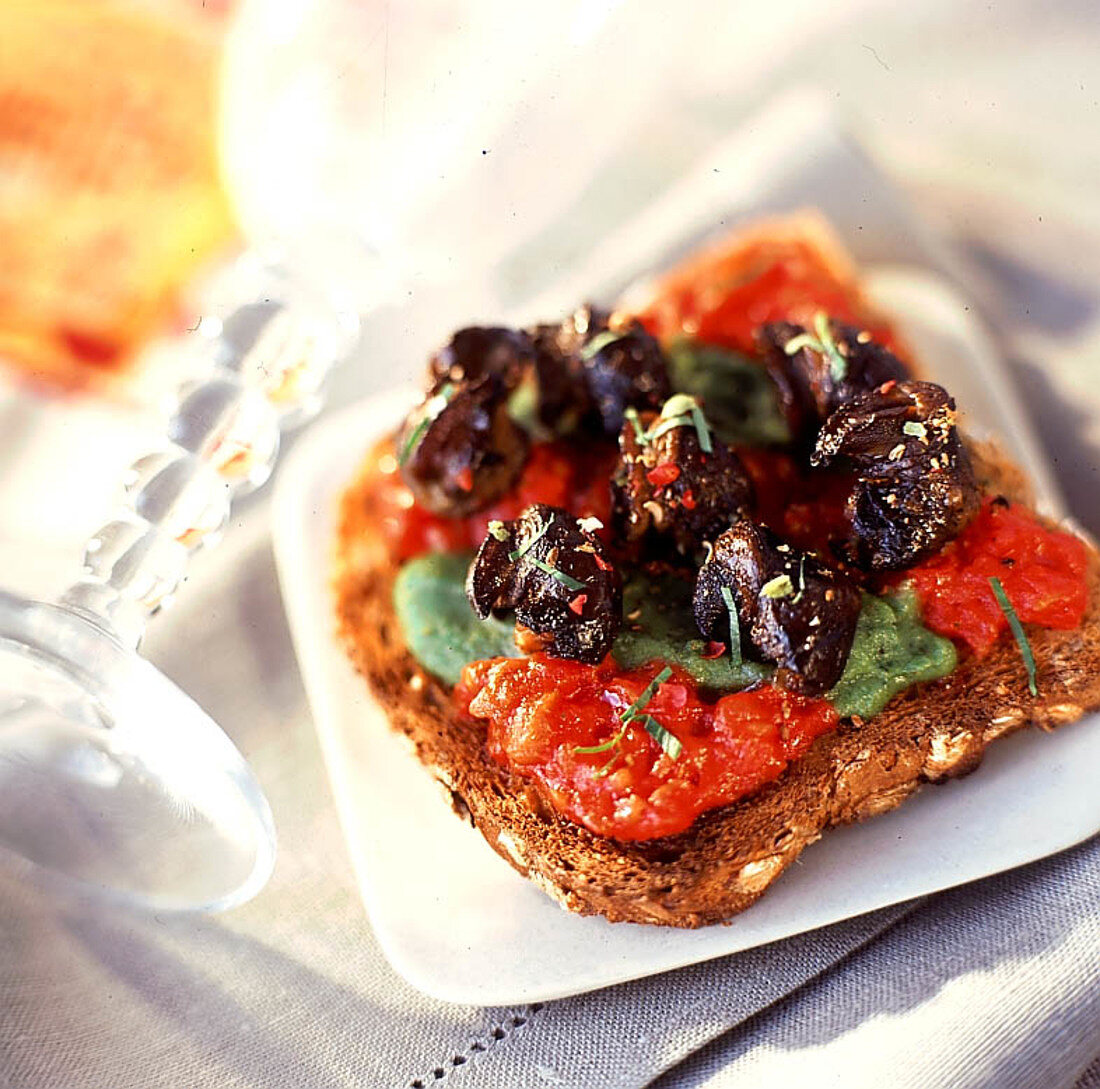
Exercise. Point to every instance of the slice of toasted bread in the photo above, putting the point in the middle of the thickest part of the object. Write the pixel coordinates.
(729, 856)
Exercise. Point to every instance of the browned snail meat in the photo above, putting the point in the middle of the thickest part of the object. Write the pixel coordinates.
(757, 592)
(624, 368)
(816, 370)
(550, 569)
(476, 351)
(562, 394)
(594, 365)
(915, 487)
(676, 481)
(460, 450)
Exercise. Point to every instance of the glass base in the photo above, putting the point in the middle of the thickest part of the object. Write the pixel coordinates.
(110, 775)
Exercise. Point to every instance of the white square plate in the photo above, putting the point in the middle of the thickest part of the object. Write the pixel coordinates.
(457, 921)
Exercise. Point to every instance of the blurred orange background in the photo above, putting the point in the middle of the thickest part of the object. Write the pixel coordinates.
(110, 195)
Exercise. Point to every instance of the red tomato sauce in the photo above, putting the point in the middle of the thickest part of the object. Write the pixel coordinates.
(555, 474)
(1043, 572)
(724, 296)
(806, 509)
(539, 710)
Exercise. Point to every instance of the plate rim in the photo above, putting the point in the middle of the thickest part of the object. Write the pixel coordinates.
(302, 596)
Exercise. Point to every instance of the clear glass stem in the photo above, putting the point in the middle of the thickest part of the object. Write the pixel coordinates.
(259, 365)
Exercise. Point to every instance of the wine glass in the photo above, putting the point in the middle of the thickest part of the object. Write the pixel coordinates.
(108, 772)
(343, 127)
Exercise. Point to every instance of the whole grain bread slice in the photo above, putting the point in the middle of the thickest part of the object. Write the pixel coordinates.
(730, 856)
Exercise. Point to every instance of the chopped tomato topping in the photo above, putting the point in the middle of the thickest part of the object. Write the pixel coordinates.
(561, 476)
(407, 528)
(723, 296)
(1043, 572)
(713, 650)
(577, 604)
(688, 499)
(806, 509)
(555, 474)
(541, 710)
(662, 475)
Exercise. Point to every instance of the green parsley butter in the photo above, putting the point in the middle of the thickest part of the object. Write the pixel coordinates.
(738, 396)
(892, 650)
(440, 628)
(444, 635)
(658, 625)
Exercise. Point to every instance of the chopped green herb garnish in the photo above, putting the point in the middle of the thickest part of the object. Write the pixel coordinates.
(780, 586)
(838, 365)
(679, 404)
(804, 340)
(915, 428)
(735, 626)
(523, 549)
(497, 530)
(599, 342)
(648, 693)
(823, 344)
(521, 552)
(662, 427)
(680, 410)
(610, 743)
(1017, 631)
(413, 441)
(640, 436)
(801, 580)
(561, 576)
(429, 413)
(665, 738)
(702, 430)
(739, 398)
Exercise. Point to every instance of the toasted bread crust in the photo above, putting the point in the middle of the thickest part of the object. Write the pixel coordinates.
(729, 856)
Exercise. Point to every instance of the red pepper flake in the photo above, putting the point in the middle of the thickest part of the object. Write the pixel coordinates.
(577, 604)
(713, 650)
(887, 386)
(465, 478)
(601, 563)
(663, 475)
(688, 499)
